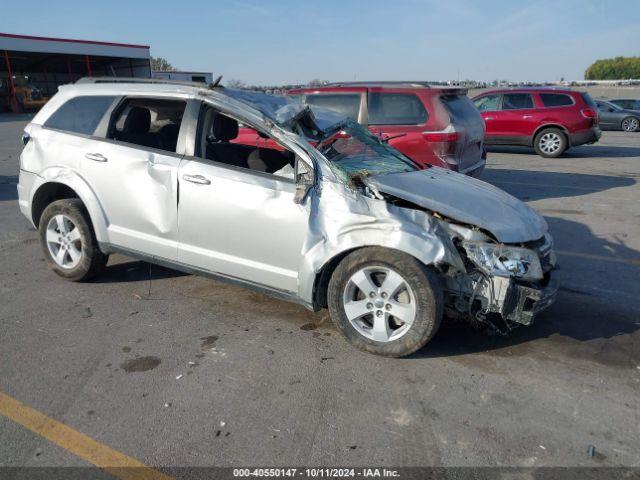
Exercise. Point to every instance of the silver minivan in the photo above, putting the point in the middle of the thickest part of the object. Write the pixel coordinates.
(321, 213)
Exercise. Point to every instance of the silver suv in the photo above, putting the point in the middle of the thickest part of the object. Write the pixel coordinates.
(321, 213)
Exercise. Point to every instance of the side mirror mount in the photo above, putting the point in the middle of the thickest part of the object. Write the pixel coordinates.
(304, 180)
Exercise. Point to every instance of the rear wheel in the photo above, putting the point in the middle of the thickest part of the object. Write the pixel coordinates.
(69, 243)
(550, 143)
(630, 124)
(385, 302)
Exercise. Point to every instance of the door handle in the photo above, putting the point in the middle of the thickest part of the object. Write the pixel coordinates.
(96, 157)
(198, 179)
(488, 118)
(527, 116)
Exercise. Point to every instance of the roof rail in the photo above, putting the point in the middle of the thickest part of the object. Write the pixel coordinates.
(145, 80)
(384, 83)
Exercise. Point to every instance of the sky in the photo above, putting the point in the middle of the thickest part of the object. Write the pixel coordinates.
(278, 42)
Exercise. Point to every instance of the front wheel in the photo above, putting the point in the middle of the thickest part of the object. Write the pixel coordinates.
(69, 243)
(385, 302)
(550, 143)
(630, 124)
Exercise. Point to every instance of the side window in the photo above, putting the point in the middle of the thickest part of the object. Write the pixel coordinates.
(395, 109)
(217, 140)
(516, 101)
(347, 104)
(555, 99)
(80, 114)
(488, 103)
(148, 122)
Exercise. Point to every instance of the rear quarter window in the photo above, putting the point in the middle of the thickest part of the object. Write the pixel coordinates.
(80, 114)
(396, 109)
(555, 99)
(588, 100)
(461, 108)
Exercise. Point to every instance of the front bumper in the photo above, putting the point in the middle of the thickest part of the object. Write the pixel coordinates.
(523, 303)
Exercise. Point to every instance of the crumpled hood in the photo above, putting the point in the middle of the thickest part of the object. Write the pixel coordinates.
(466, 200)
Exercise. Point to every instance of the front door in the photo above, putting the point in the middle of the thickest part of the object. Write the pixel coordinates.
(489, 107)
(239, 222)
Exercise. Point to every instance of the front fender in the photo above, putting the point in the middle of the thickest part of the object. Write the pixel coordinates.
(366, 223)
(73, 180)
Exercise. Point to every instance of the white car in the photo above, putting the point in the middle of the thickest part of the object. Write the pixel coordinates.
(322, 213)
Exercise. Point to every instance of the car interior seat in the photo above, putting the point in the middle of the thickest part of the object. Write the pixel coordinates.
(136, 129)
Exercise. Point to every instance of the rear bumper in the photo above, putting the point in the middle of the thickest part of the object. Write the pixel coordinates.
(585, 136)
(477, 168)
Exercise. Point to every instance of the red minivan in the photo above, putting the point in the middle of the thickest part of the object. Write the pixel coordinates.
(548, 119)
(430, 125)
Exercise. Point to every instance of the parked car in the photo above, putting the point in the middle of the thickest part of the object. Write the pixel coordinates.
(344, 222)
(614, 117)
(549, 120)
(627, 103)
(432, 126)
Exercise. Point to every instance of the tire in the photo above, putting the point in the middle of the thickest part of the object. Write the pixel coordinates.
(630, 124)
(74, 256)
(421, 293)
(550, 143)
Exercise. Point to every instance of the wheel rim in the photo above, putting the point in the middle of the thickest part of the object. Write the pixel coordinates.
(550, 142)
(630, 124)
(64, 241)
(379, 303)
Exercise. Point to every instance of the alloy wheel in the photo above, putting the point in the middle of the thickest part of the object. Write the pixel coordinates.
(550, 143)
(64, 241)
(379, 303)
(630, 124)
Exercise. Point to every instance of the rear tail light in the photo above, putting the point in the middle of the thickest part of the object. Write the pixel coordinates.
(440, 136)
(443, 145)
(589, 113)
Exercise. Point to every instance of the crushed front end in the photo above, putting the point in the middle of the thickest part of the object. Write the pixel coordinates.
(504, 285)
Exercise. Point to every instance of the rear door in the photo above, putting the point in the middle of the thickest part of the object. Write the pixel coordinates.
(518, 118)
(134, 174)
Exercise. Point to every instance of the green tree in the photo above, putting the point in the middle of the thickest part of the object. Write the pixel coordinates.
(159, 64)
(618, 68)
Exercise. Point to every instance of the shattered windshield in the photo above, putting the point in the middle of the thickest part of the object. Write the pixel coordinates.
(354, 152)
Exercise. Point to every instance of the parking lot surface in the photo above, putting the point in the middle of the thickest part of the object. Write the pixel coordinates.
(178, 370)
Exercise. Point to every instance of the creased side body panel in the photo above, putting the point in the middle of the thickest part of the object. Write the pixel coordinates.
(341, 220)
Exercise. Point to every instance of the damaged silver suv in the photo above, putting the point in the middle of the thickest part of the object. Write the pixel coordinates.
(328, 216)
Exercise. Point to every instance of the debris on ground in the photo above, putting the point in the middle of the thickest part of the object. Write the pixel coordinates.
(179, 377)
(591, 451)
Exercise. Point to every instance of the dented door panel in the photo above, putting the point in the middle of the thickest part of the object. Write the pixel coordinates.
(137, 188)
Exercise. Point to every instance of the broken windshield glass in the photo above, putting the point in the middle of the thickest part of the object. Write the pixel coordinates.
(354, 152)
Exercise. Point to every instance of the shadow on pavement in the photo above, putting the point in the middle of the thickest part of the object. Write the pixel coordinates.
(581, 151)
(135, 271)
(536, 185)
(582, 323)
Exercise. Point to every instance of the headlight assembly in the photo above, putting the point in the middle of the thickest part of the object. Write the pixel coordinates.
(502, 260)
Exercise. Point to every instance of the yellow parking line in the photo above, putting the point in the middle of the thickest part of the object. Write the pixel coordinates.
(604, 258)
(103, 457)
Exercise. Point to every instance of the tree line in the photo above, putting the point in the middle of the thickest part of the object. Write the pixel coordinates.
(618, 68)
